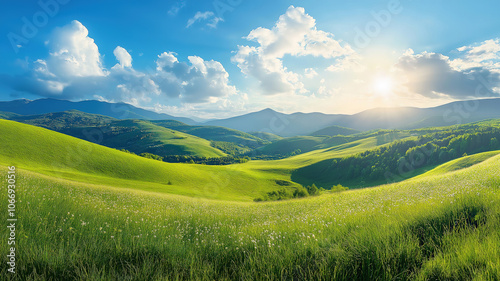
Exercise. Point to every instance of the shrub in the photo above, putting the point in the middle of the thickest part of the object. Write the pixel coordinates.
(338, 188)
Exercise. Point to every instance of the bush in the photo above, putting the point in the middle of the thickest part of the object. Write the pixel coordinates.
(312, 190)
(300, 192)
(338, 188)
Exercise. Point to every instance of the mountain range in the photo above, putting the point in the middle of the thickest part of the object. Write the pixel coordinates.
(115, 110)
(281, 124)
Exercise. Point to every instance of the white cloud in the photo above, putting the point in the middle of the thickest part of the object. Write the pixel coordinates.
(434, 75)
(294, 34)
(485, 54)
(73, 70)
(348, 63)
(310, 73)
(204, 16)
(73, 53)
(198, 81)
(123, 57)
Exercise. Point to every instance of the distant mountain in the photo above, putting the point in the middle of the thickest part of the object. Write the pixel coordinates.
(335, 131)
(296, 124)
(285, 125)
(115, 110)
(58, 121)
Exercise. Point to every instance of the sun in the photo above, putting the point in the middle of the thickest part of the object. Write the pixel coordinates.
(383, 85)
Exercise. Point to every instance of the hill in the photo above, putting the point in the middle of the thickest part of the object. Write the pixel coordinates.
(74, 122)
(55, 154)
(215, 133)
(266, 136)
(115, 110)
(334, 131)
(137, 136)
(404, 158)
(440, 227)
(302, 144)
(63, 120)
(141, 136)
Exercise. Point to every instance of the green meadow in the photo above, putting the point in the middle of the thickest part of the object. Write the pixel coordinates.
(88, 212)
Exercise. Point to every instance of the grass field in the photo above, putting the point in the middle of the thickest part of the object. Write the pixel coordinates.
(441, 227)
(67, 157)
(63, 156)
(87, 212)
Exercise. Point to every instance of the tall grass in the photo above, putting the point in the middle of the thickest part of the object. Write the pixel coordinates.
(442, 227)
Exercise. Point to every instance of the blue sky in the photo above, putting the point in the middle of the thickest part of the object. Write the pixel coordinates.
(226, 57)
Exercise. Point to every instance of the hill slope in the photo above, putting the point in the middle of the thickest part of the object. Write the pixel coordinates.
(334, 131)
(442, 227)
(137, 136)
(52, 153)
(215, 133)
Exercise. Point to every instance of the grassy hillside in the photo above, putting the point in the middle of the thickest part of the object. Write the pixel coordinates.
(215, 133)
(440, 227)
(137, 136)
(334, 131)
(460, 163)
(291, 144)
(303, 144)
(141, 136)
(401, 159)
(56, 154)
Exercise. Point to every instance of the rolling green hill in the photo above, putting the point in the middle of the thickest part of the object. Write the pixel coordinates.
(402, 159)
(303, 144)
(56, 154)
(460, 163)
(215, 133)
(137, 136)
(140, 136)
(439, 227)
(76, 123)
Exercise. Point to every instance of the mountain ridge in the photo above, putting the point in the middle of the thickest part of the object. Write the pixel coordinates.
(286, 125)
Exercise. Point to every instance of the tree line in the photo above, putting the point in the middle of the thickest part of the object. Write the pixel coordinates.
(402, 157)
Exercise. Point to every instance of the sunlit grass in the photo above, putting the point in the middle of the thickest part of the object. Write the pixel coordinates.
(402, 231)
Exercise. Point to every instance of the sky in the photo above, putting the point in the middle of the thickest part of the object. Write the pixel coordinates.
(221, 58)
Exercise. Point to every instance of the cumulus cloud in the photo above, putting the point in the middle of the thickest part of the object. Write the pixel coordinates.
(73, 53)
(123, 57)
(74, 70)
(485, 54)
(310, 73)
(294, 34)
(434, 75)
(204, 16)
(194, 82)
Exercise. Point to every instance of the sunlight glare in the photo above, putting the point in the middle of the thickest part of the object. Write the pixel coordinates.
(383, 85)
